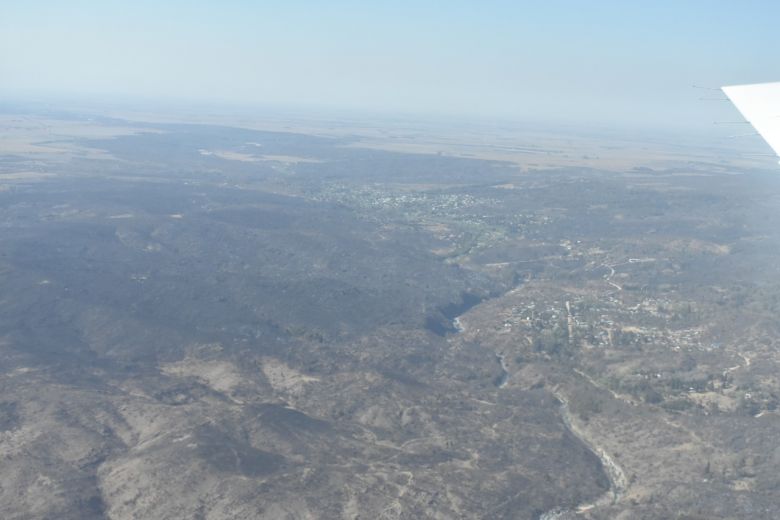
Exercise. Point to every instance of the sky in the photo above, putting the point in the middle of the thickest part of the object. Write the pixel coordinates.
(606, 62)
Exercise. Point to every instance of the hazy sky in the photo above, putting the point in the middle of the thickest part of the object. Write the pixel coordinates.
(604, 61)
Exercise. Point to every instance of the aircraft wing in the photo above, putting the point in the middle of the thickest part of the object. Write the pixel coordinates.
(760, 105)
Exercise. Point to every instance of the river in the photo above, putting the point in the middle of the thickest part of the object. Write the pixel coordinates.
(618, 483)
